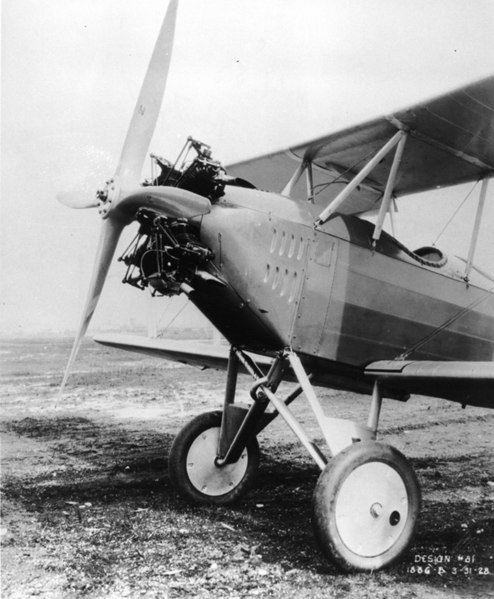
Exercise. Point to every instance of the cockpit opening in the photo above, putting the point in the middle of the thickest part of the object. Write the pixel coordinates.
(431, 254)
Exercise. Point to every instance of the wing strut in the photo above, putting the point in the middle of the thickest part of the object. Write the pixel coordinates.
(385, 204)
(476, 227)
(288, 189)
(304, 166)
(355, 182)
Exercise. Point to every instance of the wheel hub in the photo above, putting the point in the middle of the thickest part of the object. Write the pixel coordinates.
(204, 474)
(371, 509)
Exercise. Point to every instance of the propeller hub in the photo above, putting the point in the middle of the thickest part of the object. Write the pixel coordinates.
(107, 197)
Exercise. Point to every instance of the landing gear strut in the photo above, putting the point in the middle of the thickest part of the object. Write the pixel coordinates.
(367, 499)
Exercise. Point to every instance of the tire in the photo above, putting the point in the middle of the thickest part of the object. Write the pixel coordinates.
(365, 507)
(192, 467)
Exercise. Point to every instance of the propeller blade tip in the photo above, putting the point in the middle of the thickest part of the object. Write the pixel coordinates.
(77, 200)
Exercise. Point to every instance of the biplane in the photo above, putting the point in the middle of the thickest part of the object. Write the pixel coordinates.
(275, 252)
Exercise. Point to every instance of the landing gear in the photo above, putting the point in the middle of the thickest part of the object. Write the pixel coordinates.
(367, 499)
(193, 468)
(365, 506)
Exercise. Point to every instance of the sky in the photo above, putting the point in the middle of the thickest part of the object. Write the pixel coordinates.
(247, 77)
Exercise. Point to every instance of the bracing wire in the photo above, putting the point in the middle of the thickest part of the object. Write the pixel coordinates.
(340, 177)
(455, 213)
(174, 318)
(486, 295)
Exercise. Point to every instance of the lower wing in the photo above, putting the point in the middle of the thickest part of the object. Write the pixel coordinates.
(469, 383)
(194, 353)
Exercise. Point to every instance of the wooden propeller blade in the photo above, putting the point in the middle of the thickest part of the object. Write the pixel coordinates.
(148, 104)
(76, 199)
(110, 234)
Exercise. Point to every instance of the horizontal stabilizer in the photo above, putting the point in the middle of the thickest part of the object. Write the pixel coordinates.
(465, 382)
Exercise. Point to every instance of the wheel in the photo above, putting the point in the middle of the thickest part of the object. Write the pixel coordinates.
(365, 506)
(192, 466)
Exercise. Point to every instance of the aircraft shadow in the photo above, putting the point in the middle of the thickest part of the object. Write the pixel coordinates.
(105, 464)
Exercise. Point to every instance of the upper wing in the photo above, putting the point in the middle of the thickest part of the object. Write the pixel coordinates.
(465, 382)
(451, 140)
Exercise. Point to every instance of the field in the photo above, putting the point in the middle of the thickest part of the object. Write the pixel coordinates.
(88, 509)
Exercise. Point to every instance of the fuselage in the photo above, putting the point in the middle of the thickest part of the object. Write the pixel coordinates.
(329, 295)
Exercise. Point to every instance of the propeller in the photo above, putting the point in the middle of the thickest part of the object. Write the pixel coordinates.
(109, 236)
(119, 199)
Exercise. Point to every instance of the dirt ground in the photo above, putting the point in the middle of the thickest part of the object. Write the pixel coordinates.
(88, 509)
